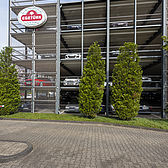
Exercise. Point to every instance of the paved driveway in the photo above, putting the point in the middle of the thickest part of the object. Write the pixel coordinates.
(65, 145)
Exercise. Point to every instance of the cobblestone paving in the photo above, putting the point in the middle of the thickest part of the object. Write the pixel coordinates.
(65, 145)
(11, 148)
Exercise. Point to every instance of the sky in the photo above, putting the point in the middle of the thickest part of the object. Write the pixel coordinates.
(4, 21)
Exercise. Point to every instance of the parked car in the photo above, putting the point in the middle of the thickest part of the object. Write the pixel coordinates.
(74, 27)
(119, 24)
(115, 52)
(72, 108)
(73, 56)
(146, 79)
(145, 109)
(148, 82)
(71, 81)
(38, 82)
(51, 56)
(110, 109)
(26, 106)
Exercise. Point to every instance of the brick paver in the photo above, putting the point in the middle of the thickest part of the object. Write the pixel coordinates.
(11, 148)
(66, 145)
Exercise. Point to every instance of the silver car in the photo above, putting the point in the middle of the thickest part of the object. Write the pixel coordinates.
(71, 81)
(119, 24)
(72, 108)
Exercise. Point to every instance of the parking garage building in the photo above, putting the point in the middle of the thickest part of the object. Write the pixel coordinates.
(50, 58)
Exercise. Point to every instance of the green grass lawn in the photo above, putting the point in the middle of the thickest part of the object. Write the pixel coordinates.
(142, 122)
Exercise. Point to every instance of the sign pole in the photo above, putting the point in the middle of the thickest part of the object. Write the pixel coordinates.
(33, 70)
(33, 67)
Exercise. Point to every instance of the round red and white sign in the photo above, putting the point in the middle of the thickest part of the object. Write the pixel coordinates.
(32, 17)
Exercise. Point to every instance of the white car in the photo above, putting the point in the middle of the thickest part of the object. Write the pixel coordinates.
(71, 81)
(146, 79)
(115, 52)
(144, 108)
(72, 108)
(73, 56)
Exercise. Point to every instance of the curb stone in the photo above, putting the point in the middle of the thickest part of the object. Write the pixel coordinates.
(29, 148)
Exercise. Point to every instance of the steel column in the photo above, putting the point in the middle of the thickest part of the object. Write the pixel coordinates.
(164, 60)
(135, 21)
(9, 26)
(57, 104)
(82, 36)
(25, 96)
(33, 71)
(107, 57)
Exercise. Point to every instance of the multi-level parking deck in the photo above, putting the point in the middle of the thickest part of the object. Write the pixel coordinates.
(111, 23)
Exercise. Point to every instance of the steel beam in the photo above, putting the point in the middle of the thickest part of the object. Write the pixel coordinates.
(33, 68)
(153, 10)
(156, 34)
(164, 60)
(33, 71)
(57, 103)
(135, 21)
(82, 37)
(25, 96)
(9, 26)
(65, 44)
(107, 57)
(63, 16)
(17, 28)
(67, 69)
(153, 64)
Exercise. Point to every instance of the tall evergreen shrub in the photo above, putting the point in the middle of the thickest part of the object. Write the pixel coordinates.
(91, 86)
(127, 82)
(9, 86)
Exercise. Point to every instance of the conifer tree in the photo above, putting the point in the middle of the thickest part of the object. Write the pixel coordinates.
(127, 82)
(91, 86)
(9, 86)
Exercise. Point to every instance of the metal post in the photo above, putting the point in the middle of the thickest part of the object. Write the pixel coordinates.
(25, 96)
(107, 57)
(57, 104)
(33, 70)
(82, 36)
(9, 26)
(135, 21)
(164, 60)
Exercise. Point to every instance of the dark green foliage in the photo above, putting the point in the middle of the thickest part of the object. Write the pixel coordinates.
(9, 86)
(91, 87)
(127, 82)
